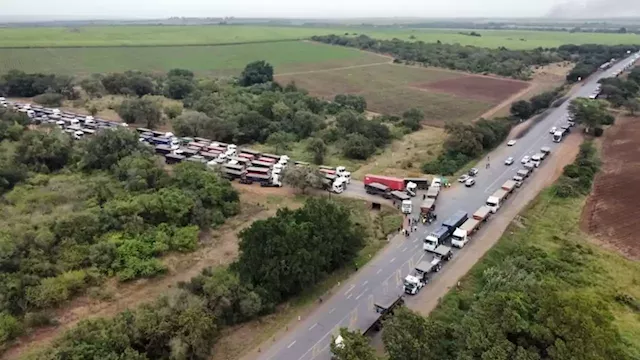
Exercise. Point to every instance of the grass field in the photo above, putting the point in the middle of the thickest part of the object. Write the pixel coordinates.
(551, 225)
(392, 89)
(204, 60)
(209, 35)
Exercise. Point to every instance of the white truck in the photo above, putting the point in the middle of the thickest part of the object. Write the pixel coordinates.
(461, 235)
(557, 136)
(407, 207)
(499, 196)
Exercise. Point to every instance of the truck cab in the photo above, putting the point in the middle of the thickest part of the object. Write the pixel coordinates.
(407, 207)
(434, 239)
(411, 188)
(557, 136)
(339, 185)
(518, 179)
(459, 238)
(412, 284)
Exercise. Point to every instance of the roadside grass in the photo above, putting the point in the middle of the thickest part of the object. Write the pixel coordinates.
(203, 60)
(155, 35)
(239, 340)
(551, 224)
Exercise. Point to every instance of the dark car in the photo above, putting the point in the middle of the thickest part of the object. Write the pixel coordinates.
(473, 172)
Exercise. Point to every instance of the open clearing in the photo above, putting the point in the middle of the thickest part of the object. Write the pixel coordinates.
(224, 34)
(287, 56)
(612, 210)
(442, 95)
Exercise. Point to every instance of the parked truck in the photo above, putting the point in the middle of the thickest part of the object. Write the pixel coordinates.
(435, 238)
(461, 235)
(496, 199)
(557, 136)
(427, 208)
(391, 182)
(509, 186)
(433, 192)
(375, 188)
(420, 276)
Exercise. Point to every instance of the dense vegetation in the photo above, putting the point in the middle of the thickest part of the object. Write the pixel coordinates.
(543, 292)
(513, 63)
(622, 92)
(74, 213)
(524, 109)
(279, 258)
(577, 178)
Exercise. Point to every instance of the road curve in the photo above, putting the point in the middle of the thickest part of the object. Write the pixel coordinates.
(351, 306)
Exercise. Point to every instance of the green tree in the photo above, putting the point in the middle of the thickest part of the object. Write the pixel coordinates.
(281, 141)
(106, 148)
(49, 99)
(44, 152)
(521, 109)
(589, 113)
(178, 87)
(412, 119)
(318, 148)
(302, 178)
(173, 110)
(354, 346)
(633, 105)
(192, 123)
(357, 146)
(257, 72)
(140, 172)
(141, 111)
(409, 336)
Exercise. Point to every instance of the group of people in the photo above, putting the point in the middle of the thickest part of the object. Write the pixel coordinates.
(413, 227)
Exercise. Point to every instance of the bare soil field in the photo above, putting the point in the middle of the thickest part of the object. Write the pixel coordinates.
(441, 94)
(481, 88)
(611, 213)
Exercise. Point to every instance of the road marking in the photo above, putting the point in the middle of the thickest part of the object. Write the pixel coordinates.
(366, 282)
(312, 326)
(349, 297)
(290, 345)
(362, 293)
(332, 310)
(416, 239)
(404, 249)
(379, 271)
(392, 260)
(350, 288)
(496, 180)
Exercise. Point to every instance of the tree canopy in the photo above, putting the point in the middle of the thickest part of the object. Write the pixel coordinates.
(257, 72)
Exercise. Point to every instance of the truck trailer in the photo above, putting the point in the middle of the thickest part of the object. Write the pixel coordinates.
(375, 188)
(461, 235)
(495, 201)
(437, 237)
(391, 182)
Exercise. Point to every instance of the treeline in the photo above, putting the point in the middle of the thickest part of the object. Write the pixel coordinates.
(501, 61)
(592, 114)
(279, 258)
(577, 178)
(622, 92)
(76, 213)
(48, 89)
(524, 109)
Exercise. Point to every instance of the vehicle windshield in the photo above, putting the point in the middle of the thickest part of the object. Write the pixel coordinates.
(409, 284)
(429, 241)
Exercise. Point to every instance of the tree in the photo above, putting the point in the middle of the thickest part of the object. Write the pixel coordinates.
(44, 152)
(590, 113)
(633, 105)
(412, 119)
(192, 123)
(257, 72)
(173, 110)
(139, 172)
(178, 87)
(318, 148)
(281, 141)
(302, 178)
(354, 346)
(350, 101)
(140, 111)
(408, 336)
(106, 148)
(49, 99)
(521, 109)
(357, 146)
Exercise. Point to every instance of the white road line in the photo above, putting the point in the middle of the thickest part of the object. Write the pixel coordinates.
(312, 326)
(349, 297)
(366, 282)
(362, 293)
(332, 310)
(495, 181)
(404, 249)
(350, 288)
(290, 345)
(379, 271)
(392, 260)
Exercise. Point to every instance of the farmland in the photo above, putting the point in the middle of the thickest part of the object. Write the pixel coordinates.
(441, 94)
(213, 35)
(611, 211)
(203, 60)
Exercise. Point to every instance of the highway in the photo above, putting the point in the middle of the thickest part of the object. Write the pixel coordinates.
(352, 305)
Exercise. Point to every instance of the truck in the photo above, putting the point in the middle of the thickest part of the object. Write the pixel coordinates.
(523, 173)
(437, 237)
(495, 201)
(375, 188)
(427, 208)
(461, 235)
(391, 182)
(421, 183)
(557, 136)
(383, 307)
(509, 186)
(420, 276)
(433, 192)
(545, 150)
(456, 220)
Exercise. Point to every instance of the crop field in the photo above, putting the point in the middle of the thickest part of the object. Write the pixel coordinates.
(611, 213)
(441, 94)
(225, 34)
(204, 60)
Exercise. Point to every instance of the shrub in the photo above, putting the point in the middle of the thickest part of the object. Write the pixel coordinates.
(49, 99)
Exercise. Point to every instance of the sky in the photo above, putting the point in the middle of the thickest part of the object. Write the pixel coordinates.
(110, 9)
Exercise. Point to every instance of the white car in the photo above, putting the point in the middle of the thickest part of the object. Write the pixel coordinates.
(470, 182)
(509, 161)
(511, 143)
(464, 178)
(525, 159)
(553, 130)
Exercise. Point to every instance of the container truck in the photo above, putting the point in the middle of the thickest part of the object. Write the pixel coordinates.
(375, 188)
(456, 220)
(421, 183)
(437, 237)
(391, 182)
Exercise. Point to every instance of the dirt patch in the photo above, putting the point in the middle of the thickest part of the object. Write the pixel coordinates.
(610, 213)
(218, 247)
(477, 87)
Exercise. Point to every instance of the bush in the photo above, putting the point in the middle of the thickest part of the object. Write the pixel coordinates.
(577, 178)
(357, 146)
(49, 99)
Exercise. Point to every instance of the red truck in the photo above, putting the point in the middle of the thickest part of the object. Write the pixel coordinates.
(391, 182)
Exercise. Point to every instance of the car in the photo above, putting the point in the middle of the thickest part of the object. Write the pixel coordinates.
(509, 161)
(571, 123)
(553, 130)
(470, 182)
(473, 172)
(525, 159)
(464, 178)
(511, 143)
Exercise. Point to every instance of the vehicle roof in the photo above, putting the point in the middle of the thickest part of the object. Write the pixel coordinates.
(442, 250)
(385, 301)
(378, 186)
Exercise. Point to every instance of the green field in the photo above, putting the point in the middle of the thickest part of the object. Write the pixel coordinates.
(204, 60)
(217, 34)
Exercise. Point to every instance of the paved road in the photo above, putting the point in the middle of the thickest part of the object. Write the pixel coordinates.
(352, 305)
